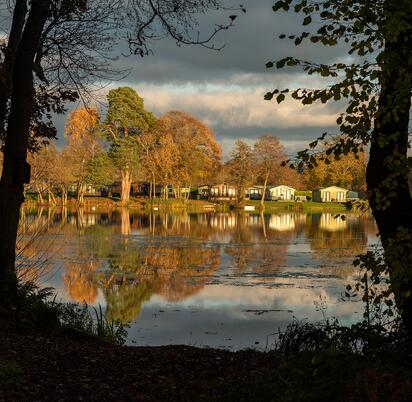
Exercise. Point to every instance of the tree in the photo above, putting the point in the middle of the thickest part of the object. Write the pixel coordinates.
(377, 88)
(239, 169)
(45, 176)
(268, 154)
(68, 46)
(126, 120)
(198, 152)
(345, 171)
(165, 157)
(100, 170)
(83, 147)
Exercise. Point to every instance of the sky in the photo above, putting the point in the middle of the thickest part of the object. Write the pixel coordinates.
(224, 89)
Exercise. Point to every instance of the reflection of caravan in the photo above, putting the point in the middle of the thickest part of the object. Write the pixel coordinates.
(83, 219)
(222, 221)
(331, 223)
(282, 222)
(329, 194)
(253, 220)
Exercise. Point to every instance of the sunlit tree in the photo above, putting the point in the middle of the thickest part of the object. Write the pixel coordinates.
(126, 120)
(239, 169)
(83, 145)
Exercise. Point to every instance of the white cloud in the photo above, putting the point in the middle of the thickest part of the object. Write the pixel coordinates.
(234, 106)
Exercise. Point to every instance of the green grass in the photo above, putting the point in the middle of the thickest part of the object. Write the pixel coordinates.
(177, 203)
(306, 206)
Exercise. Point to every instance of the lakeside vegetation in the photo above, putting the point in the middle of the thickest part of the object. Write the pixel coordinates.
(300, 206)
(100, 202)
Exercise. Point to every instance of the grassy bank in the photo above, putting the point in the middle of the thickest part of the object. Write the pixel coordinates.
(104, 203)
(89, 202)
(173, 204)
(302, 206)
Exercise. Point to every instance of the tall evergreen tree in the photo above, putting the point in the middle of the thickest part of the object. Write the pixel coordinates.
(126, 120)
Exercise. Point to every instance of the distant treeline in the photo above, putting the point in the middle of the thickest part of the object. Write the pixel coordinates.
(175, 152)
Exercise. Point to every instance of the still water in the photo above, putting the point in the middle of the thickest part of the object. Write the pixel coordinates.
(227, 280)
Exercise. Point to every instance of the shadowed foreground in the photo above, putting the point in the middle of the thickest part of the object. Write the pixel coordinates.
(65, 369)
(57, 368)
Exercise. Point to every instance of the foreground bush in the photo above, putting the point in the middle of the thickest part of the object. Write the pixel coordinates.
(37, 310)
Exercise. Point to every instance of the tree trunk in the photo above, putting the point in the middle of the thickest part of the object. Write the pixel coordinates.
(80, 217)
(262, 199)
(240, 196)
(15, 168)
(6, 68)
(64, 195)
(64, 215)
(126, 186)
(80, 193)
(40, 198)
(52, 198)
(387, 171)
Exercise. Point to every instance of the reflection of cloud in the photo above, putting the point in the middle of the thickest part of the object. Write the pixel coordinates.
(228, 305)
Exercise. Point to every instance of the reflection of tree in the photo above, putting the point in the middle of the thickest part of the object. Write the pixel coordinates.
(182, 271)
(124, 300)
(125, 228)
(172, 269)
(180, 250)
(78, 280)
(37, 245)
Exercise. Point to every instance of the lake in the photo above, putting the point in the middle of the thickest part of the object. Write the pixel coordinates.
(229, 280)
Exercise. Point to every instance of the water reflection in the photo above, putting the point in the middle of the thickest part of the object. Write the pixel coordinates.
(201, 270)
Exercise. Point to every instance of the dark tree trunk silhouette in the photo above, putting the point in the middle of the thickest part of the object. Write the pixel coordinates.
(387, 171)
(6, 69)
(15, 168)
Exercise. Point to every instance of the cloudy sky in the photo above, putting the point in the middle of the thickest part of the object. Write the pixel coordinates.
(225, 88)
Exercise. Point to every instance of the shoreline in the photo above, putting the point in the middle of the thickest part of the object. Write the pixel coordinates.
(144, 204)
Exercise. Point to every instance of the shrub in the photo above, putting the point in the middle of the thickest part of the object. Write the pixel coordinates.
(37, 310)
(10, 373)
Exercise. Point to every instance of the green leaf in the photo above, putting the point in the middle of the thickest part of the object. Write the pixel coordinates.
(280, 63)
(307, 20)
